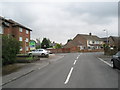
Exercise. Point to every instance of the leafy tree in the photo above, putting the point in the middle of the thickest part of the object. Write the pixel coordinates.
(58, 46)
(45, 43)
(38, 44)
(10, 47)
(69, 40)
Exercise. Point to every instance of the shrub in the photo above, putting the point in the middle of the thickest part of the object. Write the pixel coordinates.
(10, 47)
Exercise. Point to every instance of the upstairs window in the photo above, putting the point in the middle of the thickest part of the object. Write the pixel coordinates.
(20, 29)
(27, 32)
(26, 39)
(20, 39)
(1, 30)
(27, 48)
(21, 49)
(93, 42)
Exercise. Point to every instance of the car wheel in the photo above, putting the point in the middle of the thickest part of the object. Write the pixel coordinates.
(113, 64)
(30, 54)
(47, 56)
(43, 54)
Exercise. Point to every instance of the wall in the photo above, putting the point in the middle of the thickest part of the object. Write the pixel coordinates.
(73, 49)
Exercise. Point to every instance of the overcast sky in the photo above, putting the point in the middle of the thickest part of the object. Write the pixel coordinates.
(60, 21)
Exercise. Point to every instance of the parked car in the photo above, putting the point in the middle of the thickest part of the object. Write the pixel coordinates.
(49, 52)
(39, 52)
(116, 60)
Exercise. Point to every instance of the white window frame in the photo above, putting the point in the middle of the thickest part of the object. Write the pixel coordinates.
(21, 48)
(27, 32)
(20, 39)
(1, 29)
(20, 29)
(27, 40)
(27, 48)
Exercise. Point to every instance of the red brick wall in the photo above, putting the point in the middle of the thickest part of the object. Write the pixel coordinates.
(76, 41)
(73, 49)
(24, 43)
(61, 50)
(96, 50)
(14, 31)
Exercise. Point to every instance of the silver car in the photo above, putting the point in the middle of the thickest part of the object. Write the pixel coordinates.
(39, 52)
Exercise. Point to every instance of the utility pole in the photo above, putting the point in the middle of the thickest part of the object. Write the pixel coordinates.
(106, 35)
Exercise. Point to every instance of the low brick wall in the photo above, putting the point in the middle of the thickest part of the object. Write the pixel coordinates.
(60, 50)
(73, 49)
(95, 50)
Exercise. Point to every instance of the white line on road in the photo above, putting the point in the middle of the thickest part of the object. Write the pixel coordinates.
(68, 77)
(77, 57)
(105, 62)
(75, 62)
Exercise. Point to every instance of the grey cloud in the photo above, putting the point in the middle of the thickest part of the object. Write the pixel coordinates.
(61, 21)
(99, 12)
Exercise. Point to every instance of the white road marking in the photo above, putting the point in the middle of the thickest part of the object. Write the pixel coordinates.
(75, 62)
(68, 77)
(77, 57)
(105, 62)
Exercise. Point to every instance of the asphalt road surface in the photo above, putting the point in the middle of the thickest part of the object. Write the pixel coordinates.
(75, 70)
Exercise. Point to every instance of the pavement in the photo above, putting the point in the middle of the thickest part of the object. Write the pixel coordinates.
(104, 58)
(30, 67)
(74, 70)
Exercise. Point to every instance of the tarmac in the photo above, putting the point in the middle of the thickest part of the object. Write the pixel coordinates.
(30, 67)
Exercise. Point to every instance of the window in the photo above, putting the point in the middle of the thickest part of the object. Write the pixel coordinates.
(20, 29)
(27, 32)
(20, 39)
(26, 39)
(26, 48)
(20, 48)
(1, 30)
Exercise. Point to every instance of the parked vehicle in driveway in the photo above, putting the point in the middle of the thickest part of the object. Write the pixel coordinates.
(39, 52)
(116, 60)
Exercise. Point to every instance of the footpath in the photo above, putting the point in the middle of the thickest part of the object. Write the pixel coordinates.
(30, 67)
(106, 58)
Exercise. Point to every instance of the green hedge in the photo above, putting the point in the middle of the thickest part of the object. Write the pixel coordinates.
(10, 47)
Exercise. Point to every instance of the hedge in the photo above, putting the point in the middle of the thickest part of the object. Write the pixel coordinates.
(10, 47)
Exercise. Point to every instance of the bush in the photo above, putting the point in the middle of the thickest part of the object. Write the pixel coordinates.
(10, 47)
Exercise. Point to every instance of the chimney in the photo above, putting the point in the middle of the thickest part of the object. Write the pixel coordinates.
(90, 34)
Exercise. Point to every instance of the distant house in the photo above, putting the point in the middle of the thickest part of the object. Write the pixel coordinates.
(113, 41)
(104, 40)
(16, 30)
(84, 41)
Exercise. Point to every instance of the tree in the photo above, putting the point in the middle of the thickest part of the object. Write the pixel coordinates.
(69, 40)
(10, 47)
(38, 44)
(45, 43)
(58, 46)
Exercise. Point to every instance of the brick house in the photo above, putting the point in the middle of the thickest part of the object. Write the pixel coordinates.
(114, 41)
(18, 31)
(85, 42)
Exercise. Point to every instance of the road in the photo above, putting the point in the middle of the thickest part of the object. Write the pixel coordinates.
(75, 70)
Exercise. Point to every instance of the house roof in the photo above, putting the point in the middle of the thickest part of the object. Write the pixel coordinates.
(18, 24)
(115, 39)
(104, 39)
(90, 37)
(13, 23)
(87, 37)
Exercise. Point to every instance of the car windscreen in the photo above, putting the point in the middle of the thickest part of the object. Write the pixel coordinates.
(118, 54)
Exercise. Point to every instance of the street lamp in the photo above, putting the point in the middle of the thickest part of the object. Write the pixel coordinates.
(106, 34)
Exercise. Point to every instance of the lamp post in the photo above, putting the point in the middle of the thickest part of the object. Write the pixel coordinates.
(106, 34)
